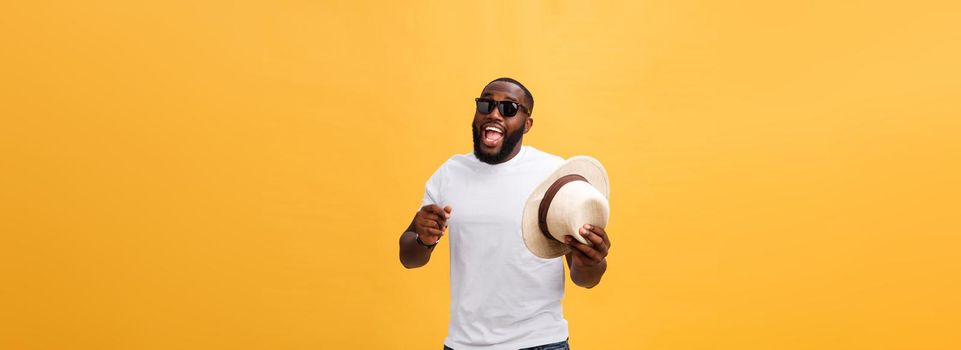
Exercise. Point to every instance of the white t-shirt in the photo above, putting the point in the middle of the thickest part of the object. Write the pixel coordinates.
(502, 296)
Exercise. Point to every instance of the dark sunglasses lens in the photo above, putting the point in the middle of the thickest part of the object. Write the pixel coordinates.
(484, 106)
(508, 109)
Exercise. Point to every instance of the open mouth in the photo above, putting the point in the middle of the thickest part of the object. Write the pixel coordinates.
(492, 135)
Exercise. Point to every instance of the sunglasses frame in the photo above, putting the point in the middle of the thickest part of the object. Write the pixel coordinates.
(497, 104)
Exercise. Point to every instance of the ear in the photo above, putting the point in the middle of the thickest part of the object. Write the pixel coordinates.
(528, 124)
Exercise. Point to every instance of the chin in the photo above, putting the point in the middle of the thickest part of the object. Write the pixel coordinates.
(492, 152)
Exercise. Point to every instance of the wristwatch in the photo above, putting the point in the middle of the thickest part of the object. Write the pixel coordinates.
(429, 246)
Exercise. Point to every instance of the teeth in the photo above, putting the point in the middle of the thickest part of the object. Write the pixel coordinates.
(494, 129)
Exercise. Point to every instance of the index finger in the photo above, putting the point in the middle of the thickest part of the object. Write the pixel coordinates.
(435, 209)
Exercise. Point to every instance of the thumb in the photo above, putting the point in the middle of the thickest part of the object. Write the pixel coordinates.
(448, 209)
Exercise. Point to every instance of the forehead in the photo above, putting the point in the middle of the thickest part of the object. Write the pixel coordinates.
(502, 90)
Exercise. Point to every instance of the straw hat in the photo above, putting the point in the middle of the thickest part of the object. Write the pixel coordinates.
(575, 194)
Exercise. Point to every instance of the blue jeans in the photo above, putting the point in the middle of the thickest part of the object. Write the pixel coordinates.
(552, 346)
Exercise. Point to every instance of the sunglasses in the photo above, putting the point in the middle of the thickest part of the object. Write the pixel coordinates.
(507, 108)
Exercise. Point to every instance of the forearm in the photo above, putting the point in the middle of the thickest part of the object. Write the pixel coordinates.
(412, 254)
(588, 276)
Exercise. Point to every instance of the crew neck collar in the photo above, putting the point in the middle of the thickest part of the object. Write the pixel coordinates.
(507, 164)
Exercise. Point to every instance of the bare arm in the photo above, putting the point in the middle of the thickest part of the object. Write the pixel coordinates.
(413, 254)
(588, 263)
(428, 225)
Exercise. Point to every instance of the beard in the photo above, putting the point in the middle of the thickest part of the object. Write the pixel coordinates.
(507, 147)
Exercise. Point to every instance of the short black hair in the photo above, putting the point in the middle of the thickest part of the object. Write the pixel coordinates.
(527, 93)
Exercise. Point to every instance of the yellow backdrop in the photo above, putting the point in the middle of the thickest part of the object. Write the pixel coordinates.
(235, 174)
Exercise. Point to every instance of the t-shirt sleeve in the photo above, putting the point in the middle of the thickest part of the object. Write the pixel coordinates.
(432, 188)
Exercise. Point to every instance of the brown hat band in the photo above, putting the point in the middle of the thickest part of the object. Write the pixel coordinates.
(549, 196)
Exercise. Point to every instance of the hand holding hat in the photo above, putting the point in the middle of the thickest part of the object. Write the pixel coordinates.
(593, 254)
(570, 208)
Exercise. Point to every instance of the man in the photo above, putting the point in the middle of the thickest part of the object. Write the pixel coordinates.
(502, 296)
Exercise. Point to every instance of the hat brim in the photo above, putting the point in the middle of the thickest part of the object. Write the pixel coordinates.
(535, 240)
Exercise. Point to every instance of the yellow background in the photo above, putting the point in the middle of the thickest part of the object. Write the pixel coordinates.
(235, 175)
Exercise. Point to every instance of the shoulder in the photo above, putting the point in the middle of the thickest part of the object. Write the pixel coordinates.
(455, 163)
(544, 157)
(461, 161)
(463, 158)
